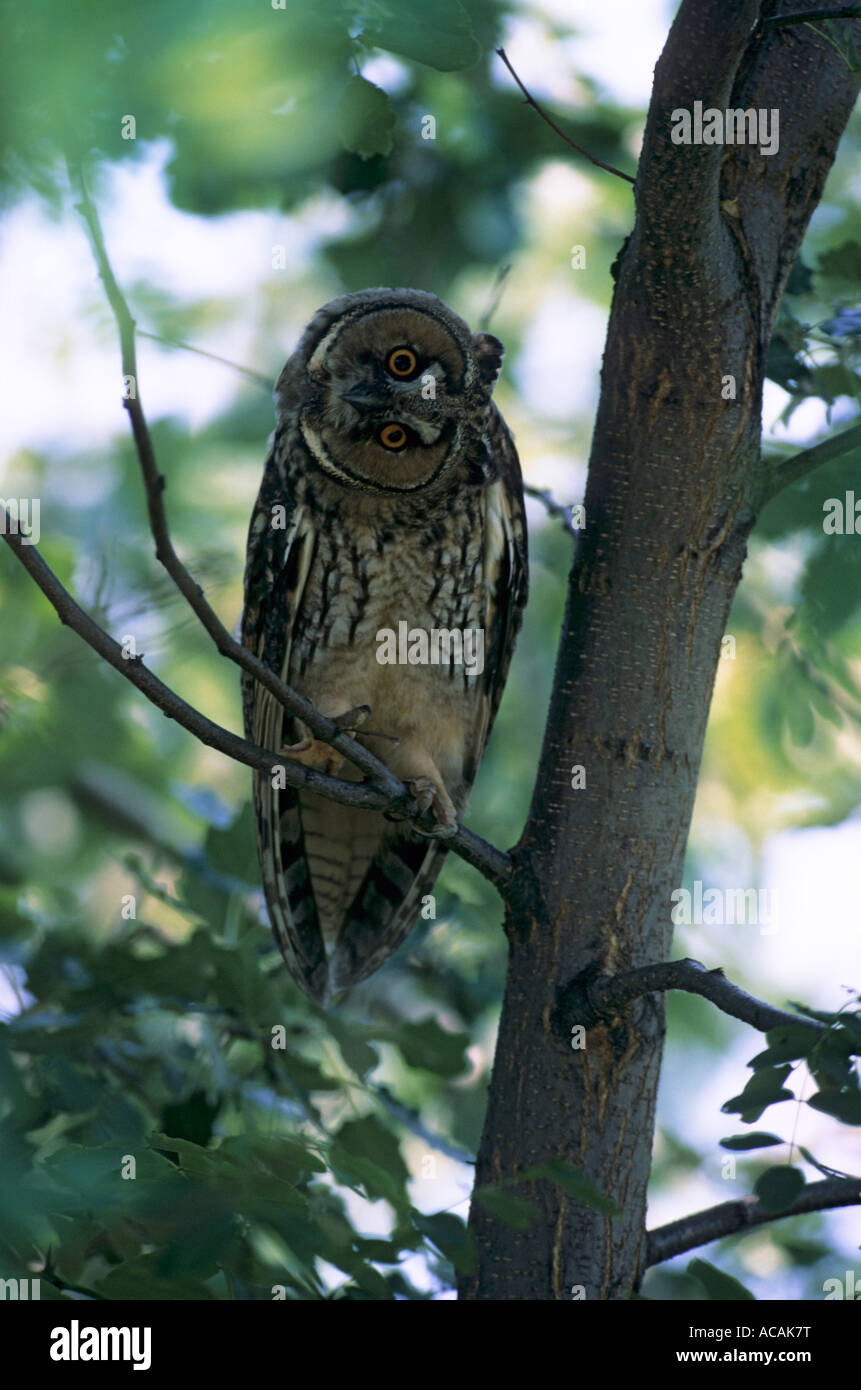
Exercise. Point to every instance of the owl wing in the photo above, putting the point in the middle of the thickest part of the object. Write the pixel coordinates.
(406, 867)
(280, 550)
(506, 569)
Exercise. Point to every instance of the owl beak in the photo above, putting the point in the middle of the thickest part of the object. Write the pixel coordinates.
(368, 398)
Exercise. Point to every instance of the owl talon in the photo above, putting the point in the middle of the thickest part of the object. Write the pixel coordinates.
(352, 719)
(433, 797)
(310, 752)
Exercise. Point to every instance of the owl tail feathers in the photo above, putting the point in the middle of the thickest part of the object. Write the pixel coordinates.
(289, 893)
(377, 919)
(384, 909)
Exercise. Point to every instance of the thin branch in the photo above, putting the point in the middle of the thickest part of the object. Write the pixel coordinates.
(586, 1001)
(782, 21)
(792, 470)
(554, 508)
(530, 101)
(154, 484)
(257, 377)
(495, 296)
(729, 1218)
(492, 862)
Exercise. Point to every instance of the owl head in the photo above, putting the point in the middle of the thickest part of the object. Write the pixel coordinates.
(390, 391)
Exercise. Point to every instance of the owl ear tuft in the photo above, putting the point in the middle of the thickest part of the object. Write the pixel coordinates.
(489, 353)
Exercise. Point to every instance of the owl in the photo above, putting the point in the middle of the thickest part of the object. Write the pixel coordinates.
(385, 580)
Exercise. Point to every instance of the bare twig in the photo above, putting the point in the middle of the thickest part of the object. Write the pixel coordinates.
(492, 862)
(588, 1000)
(781, 474)
(728, 1218)
(257, 377)
(530, 101)
(495, 296)
(554, 508)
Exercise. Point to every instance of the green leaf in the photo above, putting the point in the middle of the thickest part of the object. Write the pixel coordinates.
(142, 1279)
(831, 1060)
(843, 262)
(428, 1045)
(451, 1237)
(814, 1013)
(436, 32)
(281, 1155)
(557, 1171)
(193, 1159)
(366, 1151)
(777, 1188)
(717, 1284)
(233, 852)
(785, 1044)
(758, 1139)
(799, 716)
(366, 120)
(845, 1106)
(764, 1088)
(515, 1211)
(852, 1023)
(800, 279)
(835, 379)
(360, 1057)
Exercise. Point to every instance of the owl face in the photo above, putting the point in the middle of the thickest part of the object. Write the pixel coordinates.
(391, 391)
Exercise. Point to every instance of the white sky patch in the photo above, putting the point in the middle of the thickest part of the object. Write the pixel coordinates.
(63, 357)
(557, 371)
(616, 43)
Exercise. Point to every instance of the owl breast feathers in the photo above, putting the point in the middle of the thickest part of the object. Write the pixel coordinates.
(386, 568)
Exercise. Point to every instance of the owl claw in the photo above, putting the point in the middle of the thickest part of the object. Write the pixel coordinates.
(431, 796)
(352, 719)
(310, 752)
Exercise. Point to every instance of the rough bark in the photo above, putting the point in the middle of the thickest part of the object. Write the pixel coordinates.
(674, 486)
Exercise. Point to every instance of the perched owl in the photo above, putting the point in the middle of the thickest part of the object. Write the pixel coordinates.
(388, 539)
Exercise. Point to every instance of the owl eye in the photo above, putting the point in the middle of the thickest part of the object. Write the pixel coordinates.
(402, 362)
(392, 437)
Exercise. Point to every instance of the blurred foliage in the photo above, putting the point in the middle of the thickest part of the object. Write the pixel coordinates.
(142, 994)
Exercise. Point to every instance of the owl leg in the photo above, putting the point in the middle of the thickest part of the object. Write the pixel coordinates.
(312, 752)
(414, 765)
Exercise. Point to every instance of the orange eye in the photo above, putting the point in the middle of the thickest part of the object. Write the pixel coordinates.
(392, 437)
(402, 362)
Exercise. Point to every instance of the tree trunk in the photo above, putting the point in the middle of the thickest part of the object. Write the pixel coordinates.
(673, 491)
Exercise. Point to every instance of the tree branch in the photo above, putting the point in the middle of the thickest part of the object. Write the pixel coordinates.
(782, 474)
(154, 484)
(554, 508)
(530, 101)
(257, 377)
(729, 1218)
(586, 1001)
(492, 862)
(699, 62)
